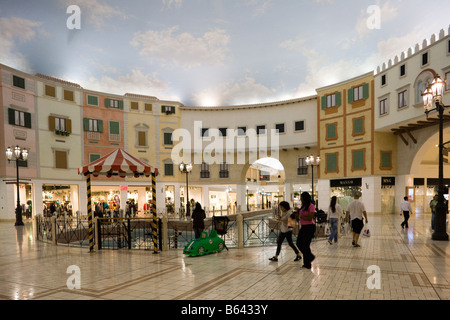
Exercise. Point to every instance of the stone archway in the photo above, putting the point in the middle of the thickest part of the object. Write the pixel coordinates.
(263, 182)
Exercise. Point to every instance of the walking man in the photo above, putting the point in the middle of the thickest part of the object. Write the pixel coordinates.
(356, 209)
(405, 208)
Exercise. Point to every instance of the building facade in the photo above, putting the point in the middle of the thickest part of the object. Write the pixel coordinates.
(371, 134)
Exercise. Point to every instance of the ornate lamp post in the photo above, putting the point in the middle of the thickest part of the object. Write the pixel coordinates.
(313, 162)
(434, 94)
(16, 155)
(186, 168)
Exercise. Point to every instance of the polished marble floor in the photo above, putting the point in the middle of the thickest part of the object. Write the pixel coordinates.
(391, 264)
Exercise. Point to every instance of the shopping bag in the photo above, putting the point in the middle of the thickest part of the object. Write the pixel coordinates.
(346, 228)
(366, 232)
(327, 230)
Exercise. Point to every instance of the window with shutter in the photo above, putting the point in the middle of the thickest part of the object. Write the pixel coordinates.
(50, 91)
(92, 100)
(61, 159)
(168, 138)
(358, 126)
(358, 162)
(114, 127)
(18, 82)
(331, 130)
(386, 160)
(19, 118)
(168, 169)
(331, 160)
(134, 106)
(68, 95)
(94, 156)
(142, 139)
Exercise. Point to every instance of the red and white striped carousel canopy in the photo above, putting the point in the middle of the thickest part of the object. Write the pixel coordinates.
(118, 162)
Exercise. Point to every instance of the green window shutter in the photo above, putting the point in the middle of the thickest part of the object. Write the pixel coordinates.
(92, 100)
(386, 160)
(93, 157)
(27, 120)
(121, 104)
(324, 102)
(11, 116)
(114, 127)
(338, 99)
(85, 124)
(365, 91)
(172, 109)
(100, 125)
(350, 95)
(331, 131)
(358, 125)
(168, 138)
(168, 169)
(331, 164)
(107, 102)
(358, 159)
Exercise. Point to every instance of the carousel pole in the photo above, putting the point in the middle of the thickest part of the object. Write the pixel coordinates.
(89, 207)
(155, 221)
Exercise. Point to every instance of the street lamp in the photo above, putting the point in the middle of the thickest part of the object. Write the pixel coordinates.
(186, 168)
(16, 155)
(433, 93)
(313, 162)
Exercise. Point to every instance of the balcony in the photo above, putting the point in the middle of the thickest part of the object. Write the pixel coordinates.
(93, 135)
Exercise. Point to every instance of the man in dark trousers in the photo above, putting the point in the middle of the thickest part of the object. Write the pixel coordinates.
(198, 217)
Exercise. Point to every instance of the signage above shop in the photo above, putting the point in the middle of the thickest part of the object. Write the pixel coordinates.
(355, 182)
(123, 188)
(388, 181)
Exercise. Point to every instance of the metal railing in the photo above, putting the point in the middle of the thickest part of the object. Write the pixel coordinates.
(261, 231)
(137, 233)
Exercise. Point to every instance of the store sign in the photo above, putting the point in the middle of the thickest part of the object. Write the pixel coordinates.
(356, 182)
(123, 188)
(388, 181)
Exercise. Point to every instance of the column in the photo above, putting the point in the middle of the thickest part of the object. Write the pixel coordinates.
(176, 201)
(241, 195)
(323, 193)
(288, 192)
(205, 198)
(371, 194)
(38, 205)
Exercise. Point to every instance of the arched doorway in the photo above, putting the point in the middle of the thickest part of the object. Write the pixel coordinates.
(264, 181)
(422, 182)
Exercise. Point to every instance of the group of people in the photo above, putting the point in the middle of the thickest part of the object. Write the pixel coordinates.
(355, 214)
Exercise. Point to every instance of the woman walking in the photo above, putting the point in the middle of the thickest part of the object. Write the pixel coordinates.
(334, 213)
(285, 231)
(307, 230)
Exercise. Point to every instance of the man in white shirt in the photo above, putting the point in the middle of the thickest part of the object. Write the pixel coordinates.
(356, 209)
(405, 209)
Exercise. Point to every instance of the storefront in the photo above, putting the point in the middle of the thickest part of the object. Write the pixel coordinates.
(388, 195)
(62, 198)
(344, 190)
(423, 191)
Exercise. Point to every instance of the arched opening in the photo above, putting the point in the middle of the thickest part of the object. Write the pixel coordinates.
(264, 180)
(423, 182)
